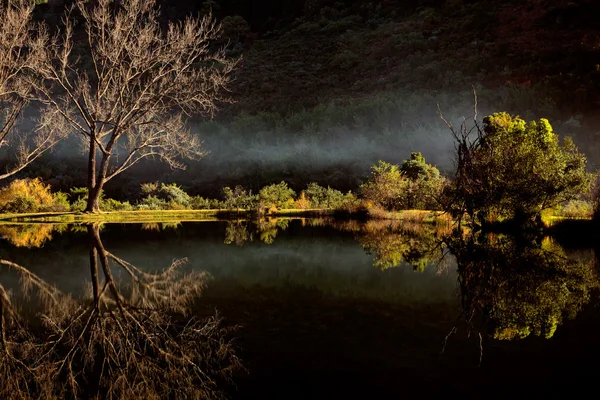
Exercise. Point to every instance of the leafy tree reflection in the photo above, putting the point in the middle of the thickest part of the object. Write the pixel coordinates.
(393, 243)
(518, 287)
(129, 338)
(266, 229)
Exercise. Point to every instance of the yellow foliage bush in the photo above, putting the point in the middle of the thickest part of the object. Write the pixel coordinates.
(26, 195)
(302, 202)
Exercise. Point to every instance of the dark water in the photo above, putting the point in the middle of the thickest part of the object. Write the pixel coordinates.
(350, 310)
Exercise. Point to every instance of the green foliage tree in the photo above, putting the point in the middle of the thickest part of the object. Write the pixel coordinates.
(276, 195)
(425, 184)
(385, 187)
(415, 185)
(321, 197)
(239, 198)
(512, 170)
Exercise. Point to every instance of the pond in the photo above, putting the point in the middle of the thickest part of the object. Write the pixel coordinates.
(313, 308)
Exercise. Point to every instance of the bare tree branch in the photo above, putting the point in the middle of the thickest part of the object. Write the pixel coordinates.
(131, 103)
(20, 51)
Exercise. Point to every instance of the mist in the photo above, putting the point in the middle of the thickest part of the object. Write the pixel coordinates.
(334, 144)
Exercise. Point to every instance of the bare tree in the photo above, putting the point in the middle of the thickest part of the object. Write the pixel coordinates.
(131, 336)
(22, 46)
(130, 103)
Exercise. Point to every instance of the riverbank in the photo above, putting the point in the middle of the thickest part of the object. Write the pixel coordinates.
(551, 223)
(156, 215)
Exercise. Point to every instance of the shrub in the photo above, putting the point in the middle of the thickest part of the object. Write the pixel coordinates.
(169, 194)
(200, 203)
(234, 28)
(115, 205)
(149, 188)
(78, 198)
(239, 198)
(26, 195)
(174, 194)
(152, 203)
(576, 209)
(302, 202)
(61, 202)
(276, 195)
(344, 60)
(320, 197)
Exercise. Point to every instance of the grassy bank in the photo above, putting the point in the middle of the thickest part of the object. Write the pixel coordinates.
(140, 216)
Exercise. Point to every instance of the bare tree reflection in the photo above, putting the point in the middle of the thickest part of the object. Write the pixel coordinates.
(126, 340)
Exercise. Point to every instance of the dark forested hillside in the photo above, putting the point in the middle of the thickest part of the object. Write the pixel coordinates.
(325, 88)
(302, 52)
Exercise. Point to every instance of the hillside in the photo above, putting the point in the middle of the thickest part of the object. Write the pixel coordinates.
(336, 51)
(326, 88)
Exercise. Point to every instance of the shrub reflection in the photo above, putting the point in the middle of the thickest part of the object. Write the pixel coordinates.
(30, 235)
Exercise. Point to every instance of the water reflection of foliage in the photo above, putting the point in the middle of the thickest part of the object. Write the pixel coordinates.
(417, 245)
(124, 340)
(30, 235)
(240, 232)
(394, 243)
(520, 287)
(160, 226)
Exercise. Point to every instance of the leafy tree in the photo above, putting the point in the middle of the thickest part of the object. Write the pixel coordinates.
(276, 195)
(414, 185)
(321, 197)
(239, 198)
(26, 195)
(425, 184)
(510, 169)
(385, 187)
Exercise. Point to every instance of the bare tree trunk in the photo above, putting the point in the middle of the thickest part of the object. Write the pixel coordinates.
(104, 262)
(99, 180)
(94, 266)
(93, 200)
(94, 197)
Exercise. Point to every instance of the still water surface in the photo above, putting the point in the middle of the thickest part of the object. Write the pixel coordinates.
(351, 310)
